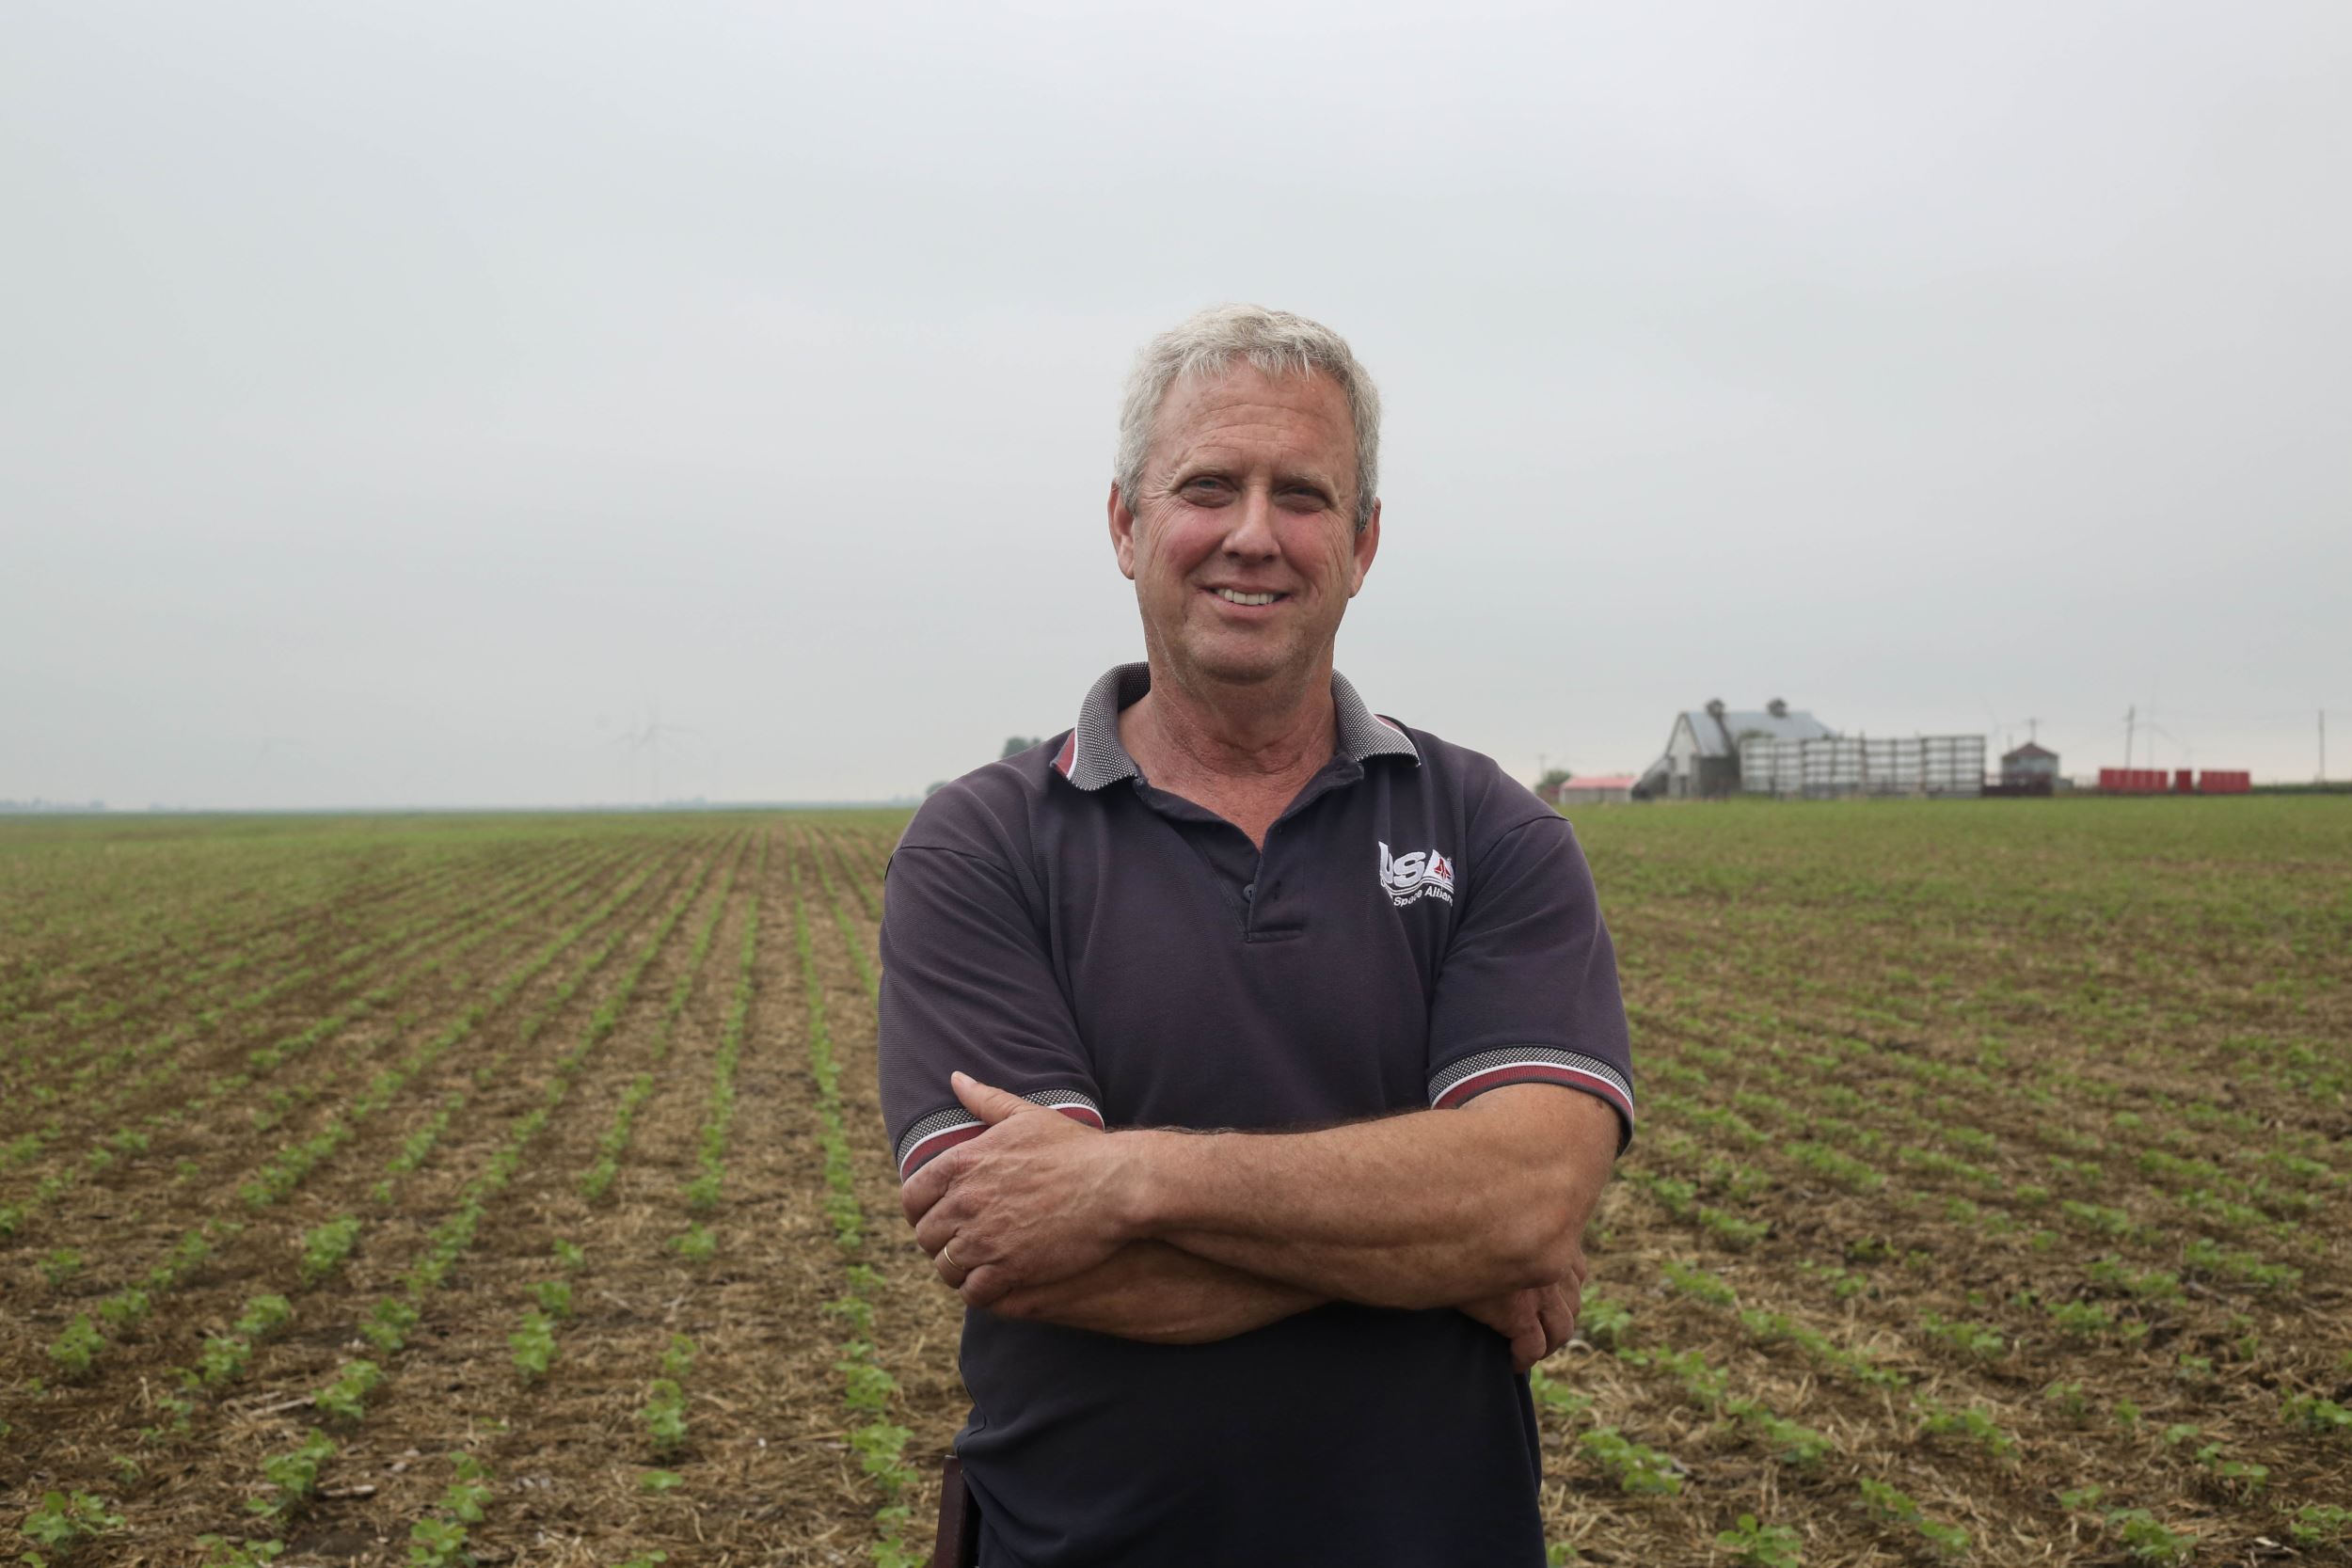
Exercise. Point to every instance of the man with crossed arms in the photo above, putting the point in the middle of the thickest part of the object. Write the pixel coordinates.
(1254, 1062)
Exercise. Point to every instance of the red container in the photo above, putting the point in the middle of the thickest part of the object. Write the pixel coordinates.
(2183, 781)
(2136, 781)
(2215, 781)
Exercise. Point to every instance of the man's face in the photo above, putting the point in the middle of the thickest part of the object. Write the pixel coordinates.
(1243, 543)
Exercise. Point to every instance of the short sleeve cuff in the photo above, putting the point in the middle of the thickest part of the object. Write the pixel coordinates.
(941, 1131)
(1459, 1082)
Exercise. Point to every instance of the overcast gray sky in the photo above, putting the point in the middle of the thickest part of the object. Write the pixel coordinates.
(405, 403)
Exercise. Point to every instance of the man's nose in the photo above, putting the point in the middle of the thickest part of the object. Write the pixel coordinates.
(1253, 533)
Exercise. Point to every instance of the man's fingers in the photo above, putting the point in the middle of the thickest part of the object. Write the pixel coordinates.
(938, 1228)
(991, 1105)
(950, 1272)
(1557, 1313)
(923, 1188)
(984, 1285)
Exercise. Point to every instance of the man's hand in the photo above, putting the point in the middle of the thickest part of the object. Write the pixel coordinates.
(1537, 1322)
(1035, 1198)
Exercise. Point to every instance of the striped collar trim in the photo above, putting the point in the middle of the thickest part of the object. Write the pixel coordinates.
(1093, 757)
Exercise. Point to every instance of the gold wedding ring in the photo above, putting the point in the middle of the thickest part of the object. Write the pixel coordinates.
(943, 1255)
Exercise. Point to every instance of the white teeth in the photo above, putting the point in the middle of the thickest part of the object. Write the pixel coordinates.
(1232, 597)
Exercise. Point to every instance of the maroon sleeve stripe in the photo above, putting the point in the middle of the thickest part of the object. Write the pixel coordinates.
(936, 1134)
(1536, 1072)
(1461, 1081)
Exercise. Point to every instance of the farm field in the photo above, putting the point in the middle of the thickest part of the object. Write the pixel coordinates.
(512, 1189)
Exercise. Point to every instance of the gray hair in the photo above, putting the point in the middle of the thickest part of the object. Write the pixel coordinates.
(1276, 342)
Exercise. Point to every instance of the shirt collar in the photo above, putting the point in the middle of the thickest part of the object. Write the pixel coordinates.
(1093, 756)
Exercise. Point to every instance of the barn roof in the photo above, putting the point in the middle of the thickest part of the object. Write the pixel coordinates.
(2027, 752)
(1723, 740)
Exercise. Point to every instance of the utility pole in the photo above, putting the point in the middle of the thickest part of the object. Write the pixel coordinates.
(2322, 745)
(2131, 716)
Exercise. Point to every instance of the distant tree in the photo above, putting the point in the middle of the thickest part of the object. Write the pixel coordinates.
(1553, 778)
(936, 788)
(1016, 744)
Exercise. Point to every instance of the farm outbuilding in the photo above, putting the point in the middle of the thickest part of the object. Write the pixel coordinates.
(1836, 767)
(1592, 789)
(1702, 756)
(2030, 763)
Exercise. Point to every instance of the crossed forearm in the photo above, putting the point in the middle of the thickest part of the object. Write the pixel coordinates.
(1431, 1208)
(1181, 1235)
(1151, 1291)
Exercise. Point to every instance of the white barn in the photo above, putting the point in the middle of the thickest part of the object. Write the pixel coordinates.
(1702, 756)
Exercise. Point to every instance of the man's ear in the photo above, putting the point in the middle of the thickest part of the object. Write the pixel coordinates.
(1367, 546)
(1122, 532)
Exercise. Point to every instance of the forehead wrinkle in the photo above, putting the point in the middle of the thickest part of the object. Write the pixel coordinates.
(1233, 434)
(1216, 454)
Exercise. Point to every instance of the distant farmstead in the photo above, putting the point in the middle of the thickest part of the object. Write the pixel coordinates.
(1714, 752)
(1702, 756)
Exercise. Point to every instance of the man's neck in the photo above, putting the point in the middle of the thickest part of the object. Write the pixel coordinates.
(1275, 734)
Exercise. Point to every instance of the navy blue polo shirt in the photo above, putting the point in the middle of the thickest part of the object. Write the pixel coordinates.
(1418, 929)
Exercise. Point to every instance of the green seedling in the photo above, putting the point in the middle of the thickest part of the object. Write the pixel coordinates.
(388, 1326)
(1760, 1545)
(2313, 1413)
(76, 1349)
(262, 1316)
(125, 1306)
(1637, 1470)
(534, 1344)
(295, 1475)
(1977, 1426)
(346, 1399)
(63, 1520)
(2147, 1539)
(437, 1543)
(664, 1416)
(1896, 1506)
(1604, 1323)
(2319, 1524)
(1975, 1340)
(325, 1248)
(469, 1493)
(223, 1359)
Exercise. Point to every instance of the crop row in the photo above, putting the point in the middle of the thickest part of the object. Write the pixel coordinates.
(867, 1388)
(391, 1324)
(280, 1174)
(134, 1135)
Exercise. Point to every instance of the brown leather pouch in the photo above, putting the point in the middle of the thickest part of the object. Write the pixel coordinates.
(959, 1543)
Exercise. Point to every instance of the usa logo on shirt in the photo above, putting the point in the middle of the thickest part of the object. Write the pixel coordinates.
(1407, 877)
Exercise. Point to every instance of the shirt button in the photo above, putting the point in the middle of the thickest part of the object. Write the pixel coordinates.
(1250, 891)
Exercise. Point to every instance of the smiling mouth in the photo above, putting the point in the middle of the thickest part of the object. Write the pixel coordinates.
(1234, 596)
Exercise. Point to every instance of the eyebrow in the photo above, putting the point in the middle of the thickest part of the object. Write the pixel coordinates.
(1208, 468)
